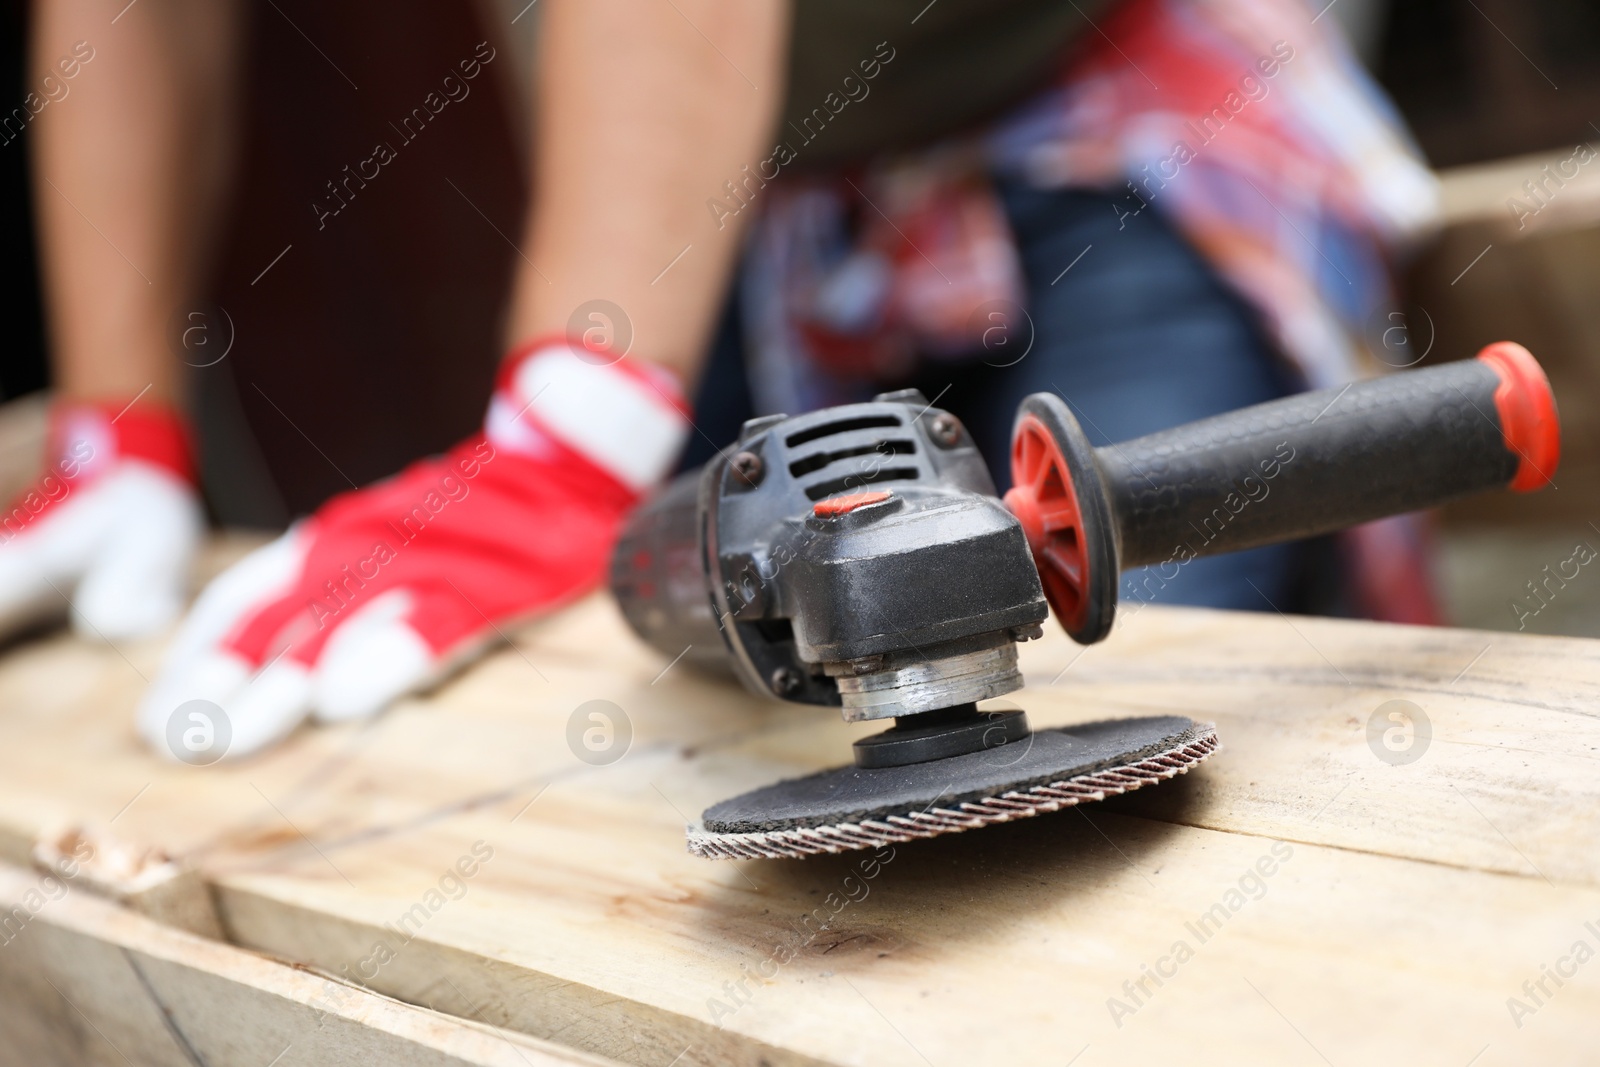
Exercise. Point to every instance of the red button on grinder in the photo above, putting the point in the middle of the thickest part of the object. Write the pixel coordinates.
(835, 506)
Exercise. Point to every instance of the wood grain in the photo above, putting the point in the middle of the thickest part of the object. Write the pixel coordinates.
(84, 982)
(1405, 905)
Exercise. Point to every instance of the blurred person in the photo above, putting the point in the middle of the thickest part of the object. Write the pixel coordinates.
(1161, 209)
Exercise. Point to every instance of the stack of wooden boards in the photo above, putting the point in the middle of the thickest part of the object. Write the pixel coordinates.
(1516, 260)
(453, 884)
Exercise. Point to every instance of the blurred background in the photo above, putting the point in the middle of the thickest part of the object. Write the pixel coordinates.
(395, 310)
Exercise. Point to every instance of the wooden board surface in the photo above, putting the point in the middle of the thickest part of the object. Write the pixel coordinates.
(84, 982)
(1496, 192)
(1301, 899)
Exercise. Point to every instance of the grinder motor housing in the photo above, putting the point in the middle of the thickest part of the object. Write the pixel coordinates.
(856, 556)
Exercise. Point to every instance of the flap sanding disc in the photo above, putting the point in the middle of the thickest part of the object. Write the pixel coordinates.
(854, 807)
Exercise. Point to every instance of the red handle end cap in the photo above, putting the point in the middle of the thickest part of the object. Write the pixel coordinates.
(1527, 410)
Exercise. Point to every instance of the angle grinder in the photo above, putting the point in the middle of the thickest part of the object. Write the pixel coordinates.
(859, 558)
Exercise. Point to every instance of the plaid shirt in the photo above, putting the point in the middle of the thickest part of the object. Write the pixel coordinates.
(1242, 121)
(1246, 123)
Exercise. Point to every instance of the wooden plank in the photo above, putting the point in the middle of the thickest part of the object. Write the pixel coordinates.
(1506, 784)
(1416, 900)
(1477, 285)
(84, 982)
(1566, 180)
(1002, 947)
(1515, 719)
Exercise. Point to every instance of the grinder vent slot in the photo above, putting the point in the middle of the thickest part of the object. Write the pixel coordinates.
(860, 478)
(817, 460)
(828, 429)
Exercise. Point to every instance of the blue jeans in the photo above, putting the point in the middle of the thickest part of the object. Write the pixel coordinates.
(1139, 335)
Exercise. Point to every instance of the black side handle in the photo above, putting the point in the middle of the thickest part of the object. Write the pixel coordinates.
(1316, 462)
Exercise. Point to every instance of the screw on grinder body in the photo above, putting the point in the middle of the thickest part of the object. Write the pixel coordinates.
(858, 557)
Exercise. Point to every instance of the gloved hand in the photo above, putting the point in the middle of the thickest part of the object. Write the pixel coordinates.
(384, 590)
(110, 526)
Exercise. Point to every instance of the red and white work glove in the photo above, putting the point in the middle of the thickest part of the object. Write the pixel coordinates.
(108, 529)
(384, 590)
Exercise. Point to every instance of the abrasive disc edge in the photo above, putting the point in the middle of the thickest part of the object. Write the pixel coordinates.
(847, 808)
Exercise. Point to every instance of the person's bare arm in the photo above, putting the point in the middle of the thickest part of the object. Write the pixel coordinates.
(130, 168)
(640, 119)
